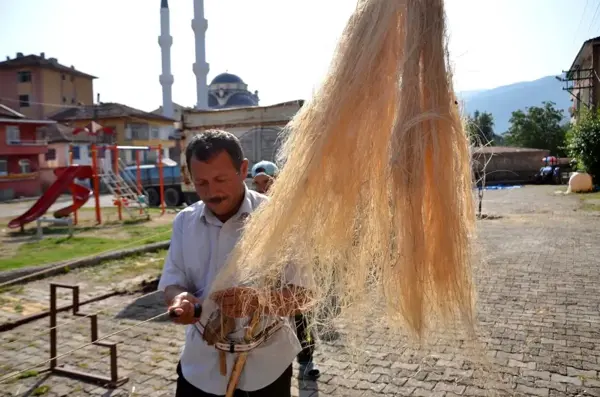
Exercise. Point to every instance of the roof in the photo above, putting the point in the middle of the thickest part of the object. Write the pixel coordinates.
(105, 111)
(59, 133)
(506, 149)
(583, 46)
(41, 61)
(11, 116)
(299, 102)
(6, 112)
(176, 106)
(227, 78)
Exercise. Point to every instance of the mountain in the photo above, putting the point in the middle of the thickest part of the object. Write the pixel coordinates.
(502, 101)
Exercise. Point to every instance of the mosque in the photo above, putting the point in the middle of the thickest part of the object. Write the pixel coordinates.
(225, 103)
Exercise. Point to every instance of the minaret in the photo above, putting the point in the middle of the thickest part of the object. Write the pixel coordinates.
(199, 25)
(166, 41)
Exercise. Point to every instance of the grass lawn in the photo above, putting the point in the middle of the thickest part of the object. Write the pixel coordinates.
(87, 240)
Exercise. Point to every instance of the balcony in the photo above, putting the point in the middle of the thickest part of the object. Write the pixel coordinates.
(19, 177)
(24, 147)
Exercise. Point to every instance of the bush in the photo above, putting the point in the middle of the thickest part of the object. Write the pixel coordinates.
(584, 143)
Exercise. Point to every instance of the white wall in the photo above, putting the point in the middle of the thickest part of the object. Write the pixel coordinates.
(84, 154)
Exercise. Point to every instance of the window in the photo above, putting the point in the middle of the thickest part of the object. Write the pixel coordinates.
(76, 154)
(3, 168)
(50, 155)
(13, 134)
(154, 132)
(24, 101)
(24, 76)
(72, 100)
(62, 76)
(150, 156)
(139, 131)
(64, 99)
(24, 166)
(72, 79)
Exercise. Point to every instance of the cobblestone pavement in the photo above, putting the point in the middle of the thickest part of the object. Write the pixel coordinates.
(538, 312)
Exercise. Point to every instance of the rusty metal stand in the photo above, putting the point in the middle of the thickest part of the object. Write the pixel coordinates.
(114, 379)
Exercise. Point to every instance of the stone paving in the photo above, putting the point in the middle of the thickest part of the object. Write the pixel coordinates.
(538, 311)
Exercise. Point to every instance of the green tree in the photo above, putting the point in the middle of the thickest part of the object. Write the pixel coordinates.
(583, 143)
(480, 128)
(538, 128)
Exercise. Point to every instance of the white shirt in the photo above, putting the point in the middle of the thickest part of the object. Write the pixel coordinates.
(200, 245)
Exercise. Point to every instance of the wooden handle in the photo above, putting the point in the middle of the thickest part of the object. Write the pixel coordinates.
(240, 361)
(223, 362)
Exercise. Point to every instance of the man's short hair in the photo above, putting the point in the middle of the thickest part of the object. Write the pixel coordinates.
(206, 145)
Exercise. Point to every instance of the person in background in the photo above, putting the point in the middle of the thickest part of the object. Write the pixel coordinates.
(263, 175)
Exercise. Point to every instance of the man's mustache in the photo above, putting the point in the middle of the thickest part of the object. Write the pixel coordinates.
(215, 200)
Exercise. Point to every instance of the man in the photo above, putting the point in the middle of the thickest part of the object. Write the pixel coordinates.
(263, 174)
(203, 236)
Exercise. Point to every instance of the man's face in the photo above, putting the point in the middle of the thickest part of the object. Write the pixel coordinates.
(262, 182)
(218, 183)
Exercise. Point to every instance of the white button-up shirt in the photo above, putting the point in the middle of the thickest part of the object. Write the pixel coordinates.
(200, 246)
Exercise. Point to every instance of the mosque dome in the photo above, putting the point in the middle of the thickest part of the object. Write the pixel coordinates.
(227, 78)
(241, 99)
(213, 102)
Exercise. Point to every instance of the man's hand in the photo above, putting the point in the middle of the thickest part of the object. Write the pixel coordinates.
(182, 307)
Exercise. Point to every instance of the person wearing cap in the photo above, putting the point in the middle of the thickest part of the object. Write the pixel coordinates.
(263, 175)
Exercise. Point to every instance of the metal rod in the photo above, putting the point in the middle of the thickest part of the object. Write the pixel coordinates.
(15, 374)
(74, 197)
(114, 369)
(75, 300)
(94, 325)
(139, 178)
(12, 325)
(118, 189)
(114, 379)
(89, 377)
(52, 325)
(96, 177)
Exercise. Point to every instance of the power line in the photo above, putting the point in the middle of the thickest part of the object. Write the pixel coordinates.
(593, 18)
(580, 21)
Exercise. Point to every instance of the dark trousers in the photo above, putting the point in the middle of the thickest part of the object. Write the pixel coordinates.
(306, 337)
(282, 387)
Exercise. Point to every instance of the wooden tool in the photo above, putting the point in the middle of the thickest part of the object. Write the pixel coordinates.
(240, 361)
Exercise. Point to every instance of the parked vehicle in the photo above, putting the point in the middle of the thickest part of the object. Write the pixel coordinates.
(150, 181)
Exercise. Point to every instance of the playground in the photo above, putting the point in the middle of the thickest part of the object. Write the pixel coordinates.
(58, 228)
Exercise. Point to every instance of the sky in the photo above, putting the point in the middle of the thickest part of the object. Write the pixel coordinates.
(282, 48)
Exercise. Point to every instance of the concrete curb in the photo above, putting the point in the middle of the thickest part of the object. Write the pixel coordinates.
(29, 274)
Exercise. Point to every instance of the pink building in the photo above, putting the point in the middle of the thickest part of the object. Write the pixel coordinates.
(20, 150)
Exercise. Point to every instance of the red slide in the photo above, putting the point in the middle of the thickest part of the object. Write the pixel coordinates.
(65, 178)
(81, 195)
